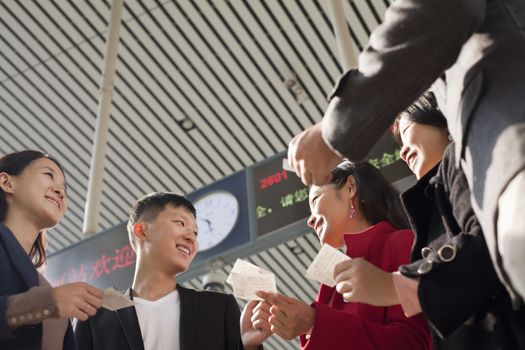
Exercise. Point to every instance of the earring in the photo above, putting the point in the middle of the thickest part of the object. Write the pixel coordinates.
(351, 212)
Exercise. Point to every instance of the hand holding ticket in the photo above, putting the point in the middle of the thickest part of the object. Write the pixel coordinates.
(323, 267)
(246, 279)
(115, 300)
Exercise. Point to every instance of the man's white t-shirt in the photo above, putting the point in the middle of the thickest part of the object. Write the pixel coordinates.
(159, 321)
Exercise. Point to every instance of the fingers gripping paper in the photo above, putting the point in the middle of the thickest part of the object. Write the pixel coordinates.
(246, 279)
(114, 300)
(323, 266)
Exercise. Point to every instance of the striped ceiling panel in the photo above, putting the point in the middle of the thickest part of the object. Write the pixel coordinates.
(203, 89)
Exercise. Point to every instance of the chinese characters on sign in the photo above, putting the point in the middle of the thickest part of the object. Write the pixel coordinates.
(280, 197)
(296, 197)
(103, 265)
(261, 212)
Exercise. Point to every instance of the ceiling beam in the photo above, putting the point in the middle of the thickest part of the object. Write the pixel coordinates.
(345, 47)
(96, 171)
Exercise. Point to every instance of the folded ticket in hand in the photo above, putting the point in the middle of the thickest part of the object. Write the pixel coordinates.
(246, 279)
(323, 266)
(115, 300)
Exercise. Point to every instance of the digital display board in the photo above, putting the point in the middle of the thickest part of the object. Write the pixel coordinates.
(280, 197)
(385, 156)
(104, 260)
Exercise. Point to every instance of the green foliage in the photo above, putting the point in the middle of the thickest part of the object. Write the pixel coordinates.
(386, 159)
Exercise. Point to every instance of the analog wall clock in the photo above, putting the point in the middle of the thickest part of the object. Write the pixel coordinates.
(217, 214)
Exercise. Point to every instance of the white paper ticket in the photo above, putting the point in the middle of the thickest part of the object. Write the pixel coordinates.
(323, 267)
(246, 279)
(115, 300)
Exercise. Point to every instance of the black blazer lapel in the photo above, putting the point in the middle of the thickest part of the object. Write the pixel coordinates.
(189, 315)
(129, 322)
(19, 257)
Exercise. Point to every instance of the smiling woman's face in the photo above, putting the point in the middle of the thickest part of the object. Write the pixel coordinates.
(423, 145)
(329, 213)
(40, 191)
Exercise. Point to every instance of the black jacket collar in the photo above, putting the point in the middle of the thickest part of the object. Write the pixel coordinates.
(419, 205)
(19, 257)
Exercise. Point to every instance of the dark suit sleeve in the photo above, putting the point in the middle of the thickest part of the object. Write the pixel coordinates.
(232, 324)
(83, 335)
(453, 291)
(417, 42)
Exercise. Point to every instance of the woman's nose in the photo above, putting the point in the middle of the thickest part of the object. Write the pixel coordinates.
(404, 152)
(311, 221)
(61, 191)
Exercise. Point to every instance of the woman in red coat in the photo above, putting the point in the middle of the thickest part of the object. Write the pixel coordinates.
(359, 209)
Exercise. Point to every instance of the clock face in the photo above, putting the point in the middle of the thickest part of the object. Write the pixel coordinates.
(217, 213)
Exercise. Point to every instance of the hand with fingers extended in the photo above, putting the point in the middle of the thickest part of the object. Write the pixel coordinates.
(311, 157)
(361, 282)
(255, 328)
(79, 300)
(289, 317)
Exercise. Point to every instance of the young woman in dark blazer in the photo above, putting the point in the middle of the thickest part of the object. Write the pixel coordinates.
(34, 315)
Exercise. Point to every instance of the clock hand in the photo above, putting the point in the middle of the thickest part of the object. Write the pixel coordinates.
(209, 225)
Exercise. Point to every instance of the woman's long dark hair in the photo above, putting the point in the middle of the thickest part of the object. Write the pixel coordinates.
(378, 200)
(14, 164)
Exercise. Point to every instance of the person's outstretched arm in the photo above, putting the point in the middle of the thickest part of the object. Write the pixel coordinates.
(417, 41)
(322, 327)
